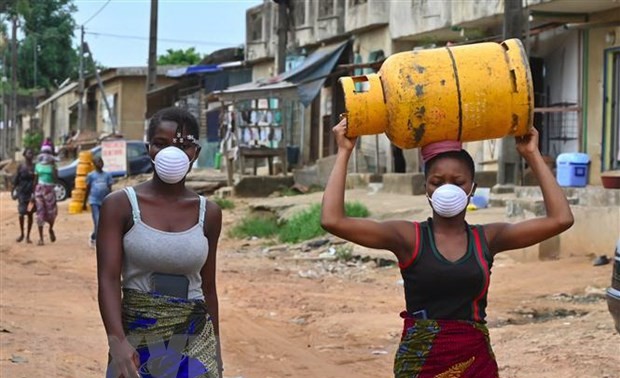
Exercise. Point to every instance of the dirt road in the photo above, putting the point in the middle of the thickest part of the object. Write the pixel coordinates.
(297, 317)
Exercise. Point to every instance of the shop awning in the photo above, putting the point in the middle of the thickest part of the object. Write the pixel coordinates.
(193, 70)
(302, 83)
(311, 74)
(258, 89)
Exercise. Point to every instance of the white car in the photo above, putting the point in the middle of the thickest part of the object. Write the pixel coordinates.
(613, 293)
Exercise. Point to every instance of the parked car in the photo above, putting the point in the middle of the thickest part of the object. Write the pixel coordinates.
(137, 157)
(613, 292)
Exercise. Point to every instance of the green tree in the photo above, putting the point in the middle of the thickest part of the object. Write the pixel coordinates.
(180, 57)
(48, 27)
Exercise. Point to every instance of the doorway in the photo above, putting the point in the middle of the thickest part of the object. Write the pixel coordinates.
(611, 110)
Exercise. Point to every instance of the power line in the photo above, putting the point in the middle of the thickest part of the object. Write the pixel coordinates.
(96, 13)
(211, 43)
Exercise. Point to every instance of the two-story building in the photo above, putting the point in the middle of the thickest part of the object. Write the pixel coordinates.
(574, 49)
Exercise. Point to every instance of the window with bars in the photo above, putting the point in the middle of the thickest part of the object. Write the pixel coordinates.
(353, 3)
(255, 26)
(326, 8)
(299, 13)
(562, 130)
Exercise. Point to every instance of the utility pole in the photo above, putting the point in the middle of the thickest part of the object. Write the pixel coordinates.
(282, 34)
(13, 118)
(80, 119)
(152, 69)
(509, 160)
(102, 90)
(35, 62)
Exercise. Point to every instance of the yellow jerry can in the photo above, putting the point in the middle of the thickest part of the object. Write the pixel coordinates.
(467, 93)
(85, 157)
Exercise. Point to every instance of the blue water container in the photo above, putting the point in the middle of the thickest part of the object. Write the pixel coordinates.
(572, 169)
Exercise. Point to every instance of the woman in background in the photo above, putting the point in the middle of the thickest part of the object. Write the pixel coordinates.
(44, 194)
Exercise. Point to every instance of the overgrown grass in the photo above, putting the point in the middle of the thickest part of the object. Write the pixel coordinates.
(307, 224)
(224, 203)
(356, 210)
(302, 226)
(258, 226)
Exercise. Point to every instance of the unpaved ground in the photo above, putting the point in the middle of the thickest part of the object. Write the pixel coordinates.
(287, 317)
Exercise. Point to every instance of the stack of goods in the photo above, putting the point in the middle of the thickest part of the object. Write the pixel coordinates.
(85, 165)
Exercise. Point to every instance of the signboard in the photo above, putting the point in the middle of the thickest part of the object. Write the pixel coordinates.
(114, 155)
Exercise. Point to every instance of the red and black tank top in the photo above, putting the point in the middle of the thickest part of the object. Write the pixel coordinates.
(437, 288)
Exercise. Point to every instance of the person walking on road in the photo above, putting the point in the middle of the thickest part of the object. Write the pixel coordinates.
(46, 175)
(156, 264)
(98, 186)
(444, 261)
(23, 184)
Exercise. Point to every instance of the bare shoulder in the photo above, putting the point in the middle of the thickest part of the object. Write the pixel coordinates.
(116, 203)
(491, 230)
(407, 231)
(213, 220)
(214, 212)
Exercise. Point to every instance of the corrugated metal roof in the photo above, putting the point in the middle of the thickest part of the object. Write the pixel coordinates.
(59, 93)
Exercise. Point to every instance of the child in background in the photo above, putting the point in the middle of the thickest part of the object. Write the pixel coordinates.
(98, 185)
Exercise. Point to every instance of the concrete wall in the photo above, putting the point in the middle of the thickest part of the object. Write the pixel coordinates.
(132, 107)
(264, 47)
(596, 45)
(414, 17)
(327, 27)
(485, 153)
(59, 110)
(130, 104)
(112, 87)
(304, 33)
(362, 16)
(595, 232)
(263, 70)
(467, 11)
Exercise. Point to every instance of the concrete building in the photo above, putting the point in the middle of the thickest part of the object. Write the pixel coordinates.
(125, 89)
(574, 49)
(58, 113)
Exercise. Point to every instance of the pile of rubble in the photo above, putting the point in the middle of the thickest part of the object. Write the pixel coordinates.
(324, 256)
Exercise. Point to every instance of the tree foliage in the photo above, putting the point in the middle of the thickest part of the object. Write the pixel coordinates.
(48, 26)
(180, 57)
(46, 55)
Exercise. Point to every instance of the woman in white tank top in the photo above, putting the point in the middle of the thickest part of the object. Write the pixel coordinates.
(156, 264)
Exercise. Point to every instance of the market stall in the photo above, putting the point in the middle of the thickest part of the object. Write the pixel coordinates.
(257, 123)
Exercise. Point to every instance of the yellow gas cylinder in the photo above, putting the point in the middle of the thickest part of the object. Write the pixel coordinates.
(468, 93)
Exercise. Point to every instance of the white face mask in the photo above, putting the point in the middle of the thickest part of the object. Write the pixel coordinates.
(449, 200)
(171, 164)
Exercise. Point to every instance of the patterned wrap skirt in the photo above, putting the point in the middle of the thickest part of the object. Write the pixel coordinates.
(173, 337)
(45, 198)
(444, 349)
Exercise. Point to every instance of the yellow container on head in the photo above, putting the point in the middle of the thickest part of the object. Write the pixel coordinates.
(466, 93)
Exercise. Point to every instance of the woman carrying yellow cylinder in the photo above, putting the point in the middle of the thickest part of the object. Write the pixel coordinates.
(465, 93)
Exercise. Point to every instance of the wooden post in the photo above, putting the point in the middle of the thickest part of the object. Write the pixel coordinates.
(509, 160)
